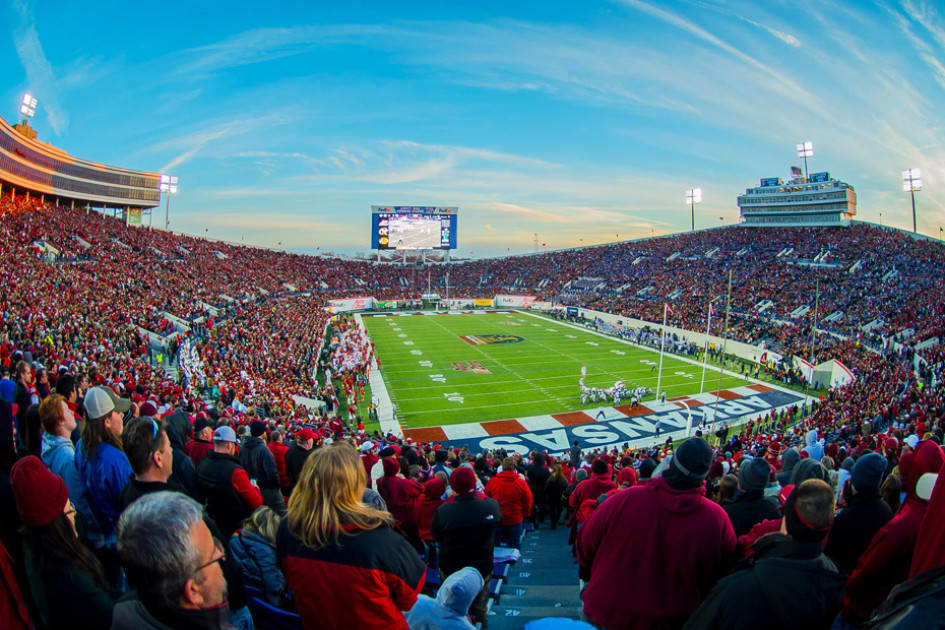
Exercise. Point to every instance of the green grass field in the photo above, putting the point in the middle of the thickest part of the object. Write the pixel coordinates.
(429, 369)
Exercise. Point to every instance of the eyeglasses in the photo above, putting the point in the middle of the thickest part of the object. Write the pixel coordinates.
(218, 546)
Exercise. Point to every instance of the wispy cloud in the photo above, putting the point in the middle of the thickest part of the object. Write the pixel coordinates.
(39, 72)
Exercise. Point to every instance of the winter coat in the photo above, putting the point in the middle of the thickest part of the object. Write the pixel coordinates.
(513, 495)
(854, 527)
(448, 611)
(887, 560)
(278, 450)
(259, 463)
(257, 559)
(59, 457)
(196, 450)
(465, 529)
(591, 488)
(68, 598)
(813, 447)
(654, 553)
(183, 469)
(401, 496)
(785, 584)
(537, 475)
(365, 581)
(130, 614)
(105, 476)
(750, 508)
(427, 504)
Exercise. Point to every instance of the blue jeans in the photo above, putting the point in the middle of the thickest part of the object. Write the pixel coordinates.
(512, 534)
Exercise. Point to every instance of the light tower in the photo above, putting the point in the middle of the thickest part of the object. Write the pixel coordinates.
(911, 182)
(693, 197)
(805, 150)
(168, 187)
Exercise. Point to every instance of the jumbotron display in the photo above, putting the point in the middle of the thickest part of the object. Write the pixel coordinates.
(413, 227)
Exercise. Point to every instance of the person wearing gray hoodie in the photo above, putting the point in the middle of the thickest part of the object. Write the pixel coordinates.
(789, 459)
(448, 611)
(58, 453)
(815, 447)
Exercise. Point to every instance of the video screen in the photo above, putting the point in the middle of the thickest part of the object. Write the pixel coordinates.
(413, 228)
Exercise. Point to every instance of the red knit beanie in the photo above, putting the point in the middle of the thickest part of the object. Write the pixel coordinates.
(463, 480)
(40, 495)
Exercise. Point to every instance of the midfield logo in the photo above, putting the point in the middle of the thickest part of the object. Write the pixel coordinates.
(479, 340)
(471, 366)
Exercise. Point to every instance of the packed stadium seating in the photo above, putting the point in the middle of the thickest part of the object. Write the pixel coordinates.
(252, 320)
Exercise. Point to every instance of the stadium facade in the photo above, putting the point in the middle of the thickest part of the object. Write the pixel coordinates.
(801, 202)
(32, 168)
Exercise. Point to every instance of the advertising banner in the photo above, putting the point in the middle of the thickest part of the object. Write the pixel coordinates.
(351, 304)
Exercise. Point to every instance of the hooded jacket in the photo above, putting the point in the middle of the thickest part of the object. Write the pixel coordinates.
(513, 494)
(59, 457)
(789, 460)
(448, 611)
(814, 448)
(431, 499)
(887, 560)
(183, 470)
(259, 463)
(654, 553)
(591, 488)
(785, 584)
(105, 476)
(257, 560)
(399, 493)
(854, 527)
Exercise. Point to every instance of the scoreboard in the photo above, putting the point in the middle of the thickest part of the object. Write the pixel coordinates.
(413, 227)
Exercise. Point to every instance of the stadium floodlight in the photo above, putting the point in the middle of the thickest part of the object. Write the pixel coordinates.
(911, 182)
(168, 187)
(805, 150)
(693, 197)
(28, 106)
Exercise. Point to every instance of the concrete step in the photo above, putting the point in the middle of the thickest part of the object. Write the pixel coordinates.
(543, 584)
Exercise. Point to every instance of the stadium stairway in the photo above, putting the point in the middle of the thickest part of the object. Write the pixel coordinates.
(544, 583)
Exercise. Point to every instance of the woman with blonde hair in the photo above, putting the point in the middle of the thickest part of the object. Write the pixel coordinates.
(345, 564)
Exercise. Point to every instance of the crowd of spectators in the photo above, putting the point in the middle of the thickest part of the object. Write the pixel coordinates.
(94, 429)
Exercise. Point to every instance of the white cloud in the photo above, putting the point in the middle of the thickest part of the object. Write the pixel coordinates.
(39, 72)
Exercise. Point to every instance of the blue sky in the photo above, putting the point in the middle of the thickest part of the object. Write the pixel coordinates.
(583, 122)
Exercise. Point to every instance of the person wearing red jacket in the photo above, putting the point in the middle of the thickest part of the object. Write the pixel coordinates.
(432, 498)
(202, 444)
(401, 495)
(346, 565)
(656, 550)
(515, 499)
(887, 560)
(591, 488)
(278, 450)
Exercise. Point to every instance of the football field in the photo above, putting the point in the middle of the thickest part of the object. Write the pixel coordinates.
(443, 369)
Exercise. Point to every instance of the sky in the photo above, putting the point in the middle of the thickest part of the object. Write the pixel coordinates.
(549, 124)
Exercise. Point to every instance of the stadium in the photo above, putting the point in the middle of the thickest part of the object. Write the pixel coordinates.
(629, 433)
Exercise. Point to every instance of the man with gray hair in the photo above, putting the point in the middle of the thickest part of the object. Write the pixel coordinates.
(174, 563)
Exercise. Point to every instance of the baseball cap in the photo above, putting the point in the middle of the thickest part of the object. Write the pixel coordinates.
(224, 434)
(101, 401)
(305, 434)
(366, 446)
